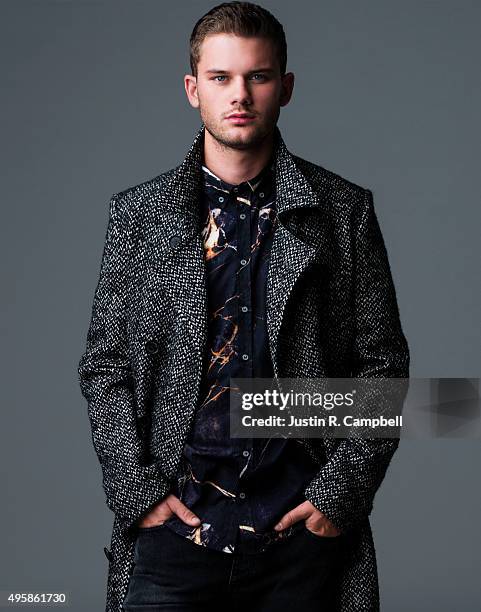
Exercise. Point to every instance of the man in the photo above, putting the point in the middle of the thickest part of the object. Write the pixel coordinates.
(243, 261)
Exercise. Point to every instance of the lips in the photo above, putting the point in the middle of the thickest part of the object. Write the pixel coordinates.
(240, 119)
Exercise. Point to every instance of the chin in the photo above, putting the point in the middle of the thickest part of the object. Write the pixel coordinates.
(236, 137)
(243, 136)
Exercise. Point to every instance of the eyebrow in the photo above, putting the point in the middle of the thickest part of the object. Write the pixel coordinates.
(218, 71)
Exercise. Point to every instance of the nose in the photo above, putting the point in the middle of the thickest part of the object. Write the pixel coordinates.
(241, 93)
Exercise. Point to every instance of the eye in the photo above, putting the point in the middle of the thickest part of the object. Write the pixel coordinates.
(262, 76)
(220, 76)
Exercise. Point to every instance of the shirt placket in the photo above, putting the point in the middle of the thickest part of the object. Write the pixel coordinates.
(245, 332)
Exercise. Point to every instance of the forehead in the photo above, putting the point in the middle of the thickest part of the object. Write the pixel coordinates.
(226, 50)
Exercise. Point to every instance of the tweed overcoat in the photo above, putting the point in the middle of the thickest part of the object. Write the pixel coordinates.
(331, 311)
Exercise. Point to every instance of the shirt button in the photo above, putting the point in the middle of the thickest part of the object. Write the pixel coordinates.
(174, 241)
(261, 194)
(243, 261)
(221, 199)
(244, 309)
(246, 453)
(242, 495)
(242, 216)
(245, 357)
(236, 189)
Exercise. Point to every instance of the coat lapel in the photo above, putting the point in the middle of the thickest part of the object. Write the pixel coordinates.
(175, 247)
(297, 241)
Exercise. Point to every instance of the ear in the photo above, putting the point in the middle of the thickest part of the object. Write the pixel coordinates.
(190, 84)
(287, 87)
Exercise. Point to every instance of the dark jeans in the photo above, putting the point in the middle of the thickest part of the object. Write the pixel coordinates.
(172, 573)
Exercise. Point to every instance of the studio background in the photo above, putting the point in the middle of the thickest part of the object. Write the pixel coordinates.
(387, 94)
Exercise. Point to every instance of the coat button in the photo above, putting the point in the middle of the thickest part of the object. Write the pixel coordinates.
(151, 347)
(174, 241)
(108, 554)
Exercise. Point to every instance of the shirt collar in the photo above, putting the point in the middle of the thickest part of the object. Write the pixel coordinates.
(246, 187)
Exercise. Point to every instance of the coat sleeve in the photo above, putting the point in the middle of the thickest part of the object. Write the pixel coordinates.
(107, 383)
(345, 486)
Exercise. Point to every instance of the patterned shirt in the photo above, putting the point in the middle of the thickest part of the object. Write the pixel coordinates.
(238, 487)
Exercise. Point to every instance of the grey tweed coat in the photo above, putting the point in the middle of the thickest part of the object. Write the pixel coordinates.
(331, 311)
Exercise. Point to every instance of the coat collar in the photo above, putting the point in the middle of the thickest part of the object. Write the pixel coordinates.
(293, 190)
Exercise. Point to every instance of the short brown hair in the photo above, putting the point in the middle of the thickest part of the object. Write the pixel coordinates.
(242, 19)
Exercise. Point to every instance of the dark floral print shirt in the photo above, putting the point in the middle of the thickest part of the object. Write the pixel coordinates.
(239, 488)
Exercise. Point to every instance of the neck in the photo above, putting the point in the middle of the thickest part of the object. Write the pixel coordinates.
(235, 166)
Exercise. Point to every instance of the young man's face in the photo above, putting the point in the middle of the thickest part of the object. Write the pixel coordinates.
(238, 75)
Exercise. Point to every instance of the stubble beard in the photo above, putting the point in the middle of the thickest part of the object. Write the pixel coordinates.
(240, 143)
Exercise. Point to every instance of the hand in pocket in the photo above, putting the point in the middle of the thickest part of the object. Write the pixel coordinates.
(165, 509)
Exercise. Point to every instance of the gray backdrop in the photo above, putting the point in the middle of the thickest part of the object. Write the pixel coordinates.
(387, 94)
